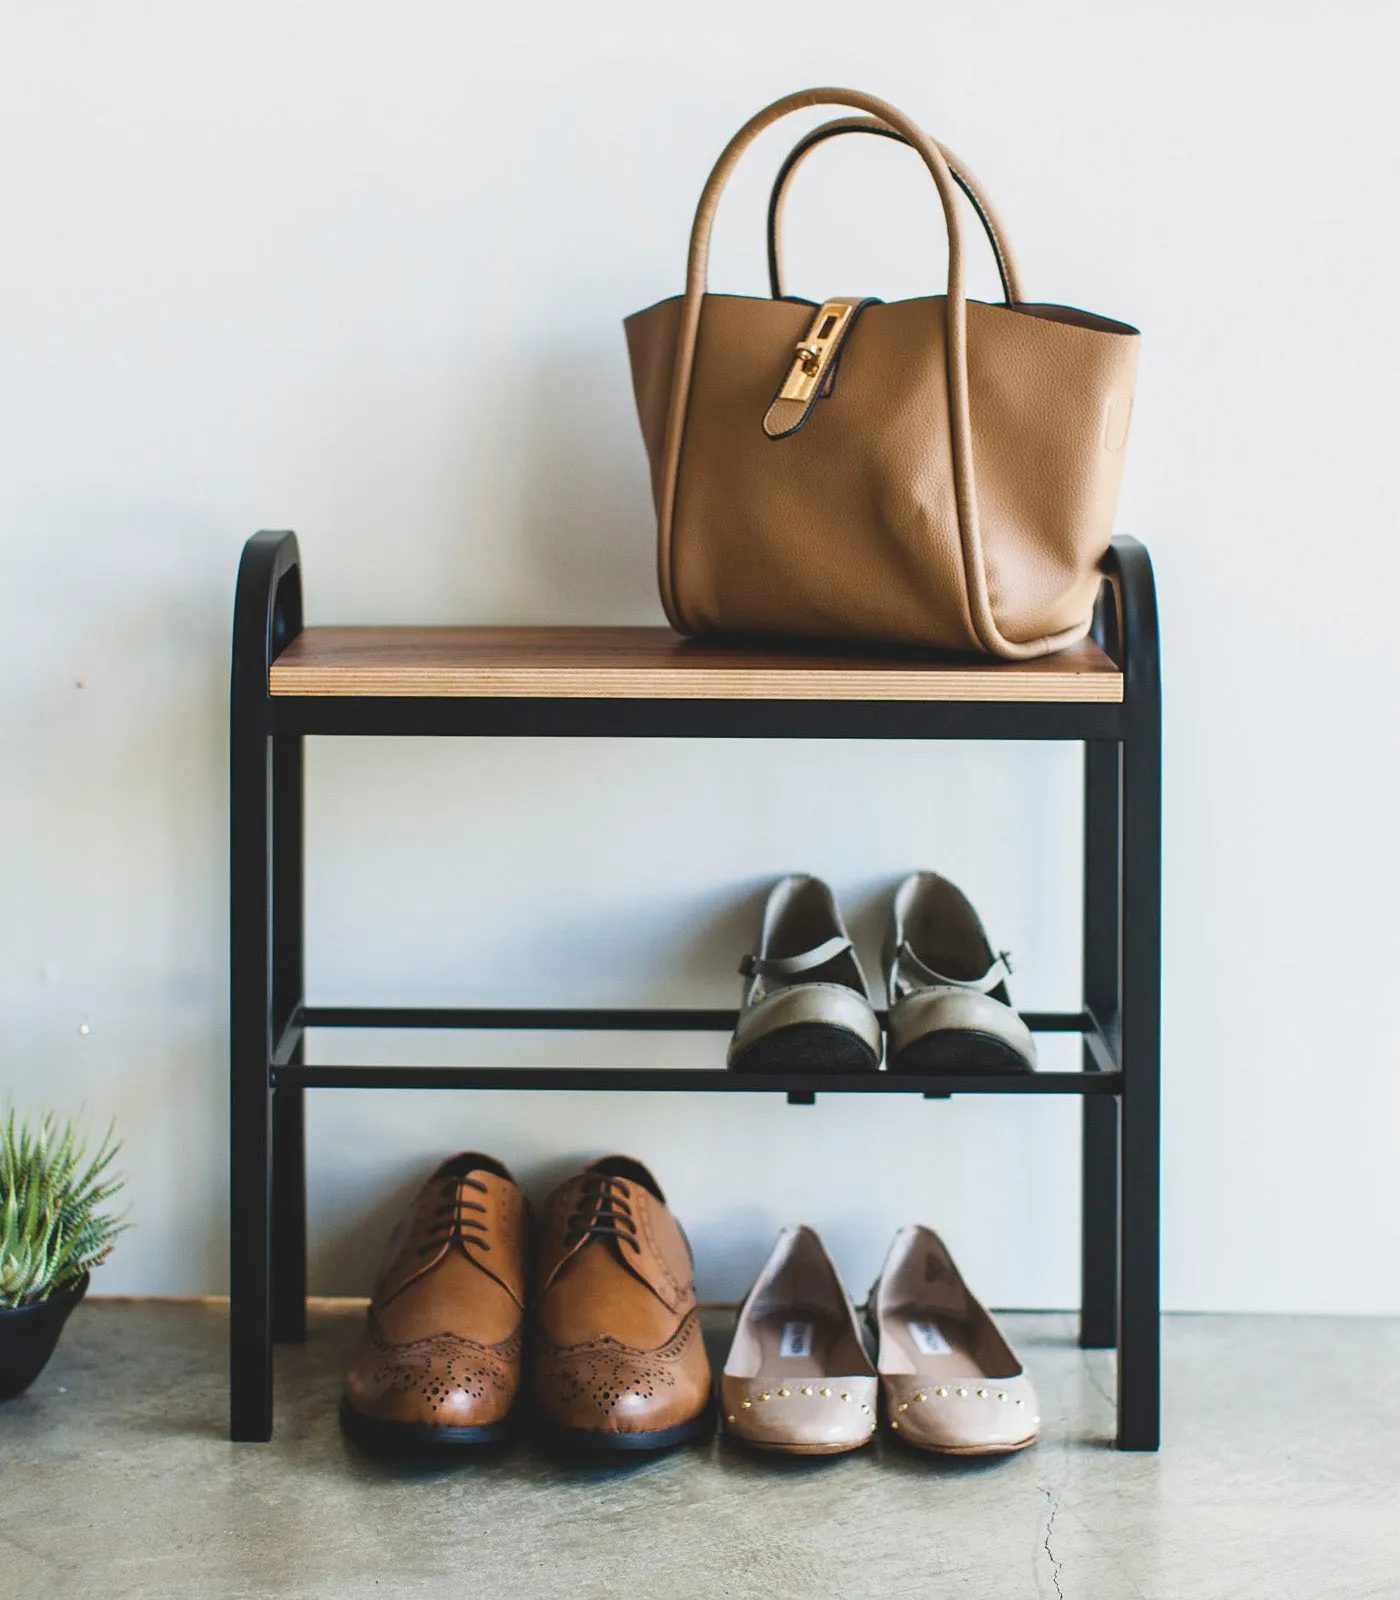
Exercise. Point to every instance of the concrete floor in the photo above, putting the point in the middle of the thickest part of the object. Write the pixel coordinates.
(1280, 1480)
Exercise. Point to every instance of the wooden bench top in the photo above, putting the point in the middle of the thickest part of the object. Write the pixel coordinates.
(657, 664)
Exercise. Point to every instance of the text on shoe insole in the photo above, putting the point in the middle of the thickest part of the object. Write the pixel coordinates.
(797, 1340)
(929, 1340)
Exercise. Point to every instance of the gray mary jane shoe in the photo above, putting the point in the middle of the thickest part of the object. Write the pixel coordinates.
(806, 1006)
(949, 1006)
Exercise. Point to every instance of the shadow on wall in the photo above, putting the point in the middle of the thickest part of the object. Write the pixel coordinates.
(356, 1209)
(583, 526)
(357, 1215)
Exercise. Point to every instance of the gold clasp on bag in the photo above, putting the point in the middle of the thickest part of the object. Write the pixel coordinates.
(816, 350)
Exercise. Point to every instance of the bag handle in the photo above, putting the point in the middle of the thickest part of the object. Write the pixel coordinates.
(996, 234)
(979, 610)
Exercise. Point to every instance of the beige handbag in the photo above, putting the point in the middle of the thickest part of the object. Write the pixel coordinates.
(935, 472)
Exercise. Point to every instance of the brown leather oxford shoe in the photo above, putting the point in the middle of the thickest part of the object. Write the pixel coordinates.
(440, 1360)
(619, 1362)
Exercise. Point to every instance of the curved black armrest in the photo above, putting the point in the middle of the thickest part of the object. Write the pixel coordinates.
(1125, 619)
(266, 610)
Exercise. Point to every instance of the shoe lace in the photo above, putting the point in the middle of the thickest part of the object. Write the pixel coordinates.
(602, 1211)
(450, 1222)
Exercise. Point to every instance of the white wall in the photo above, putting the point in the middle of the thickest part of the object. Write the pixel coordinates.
(358, 269)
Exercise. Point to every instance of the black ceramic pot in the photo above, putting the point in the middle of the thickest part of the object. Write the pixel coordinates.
(28, 1335)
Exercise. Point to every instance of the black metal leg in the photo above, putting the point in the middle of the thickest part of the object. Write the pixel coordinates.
(288, 1213)
(250, 1097)
(288, 1110)
(1098, 1304)
(1139, 1314)
(267, 612)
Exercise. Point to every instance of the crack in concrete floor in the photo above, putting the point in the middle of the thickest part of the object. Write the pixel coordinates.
(1050, 1555)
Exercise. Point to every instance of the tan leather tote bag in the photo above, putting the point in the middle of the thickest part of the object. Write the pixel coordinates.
(936, 472)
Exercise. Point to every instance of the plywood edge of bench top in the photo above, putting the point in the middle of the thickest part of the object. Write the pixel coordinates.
(656, 664)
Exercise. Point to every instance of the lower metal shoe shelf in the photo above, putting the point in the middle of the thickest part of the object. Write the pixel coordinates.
(1100, 1077)
(692, 1080)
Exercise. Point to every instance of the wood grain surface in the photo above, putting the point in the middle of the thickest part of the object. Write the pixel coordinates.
(655, 663)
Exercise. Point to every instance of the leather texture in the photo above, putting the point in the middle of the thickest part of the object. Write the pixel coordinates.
(618, 1349)
(442, 1342)
(954, 487)
(949, 1381)
(806, 1005)
(797, 1378)
(949, 1005)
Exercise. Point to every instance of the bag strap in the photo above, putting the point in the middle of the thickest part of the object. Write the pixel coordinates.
(981, 620)
(777, 200)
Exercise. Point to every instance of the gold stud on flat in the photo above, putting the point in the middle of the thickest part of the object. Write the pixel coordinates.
(942, 1391)
(765, 1395)
(895, 1426)
(962, 1394)
(806, 1388)
(983, 1394)
(865, 1408)
(1020, 1402)
(730, 1417)
(827, 1393)
(921, 1397)
(785, 1393)
(903, 1405)
(1001, 1396)
(745, 1404)
(845, 1396)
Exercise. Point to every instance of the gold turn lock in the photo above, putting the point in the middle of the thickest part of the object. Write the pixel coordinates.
(814, 352)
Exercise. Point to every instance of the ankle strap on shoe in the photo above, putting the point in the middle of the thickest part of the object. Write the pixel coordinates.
(997, 973)
(784, 966)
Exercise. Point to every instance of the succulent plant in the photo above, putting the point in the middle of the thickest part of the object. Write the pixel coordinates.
(53, 1223)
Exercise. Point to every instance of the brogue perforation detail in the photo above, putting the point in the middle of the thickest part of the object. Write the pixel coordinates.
(605, 1371)
(445, 1365)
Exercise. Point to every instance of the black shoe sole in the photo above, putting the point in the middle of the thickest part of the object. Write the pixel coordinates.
(808, 1047)
(959, 1051)
(415, 1436)
(585, 1441)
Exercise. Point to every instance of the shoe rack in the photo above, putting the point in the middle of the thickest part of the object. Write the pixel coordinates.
(290, 682)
